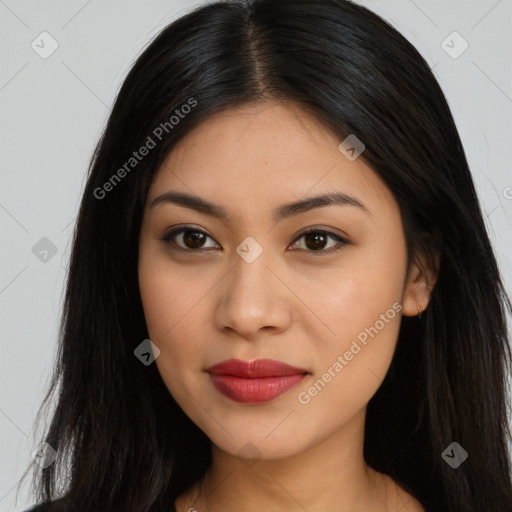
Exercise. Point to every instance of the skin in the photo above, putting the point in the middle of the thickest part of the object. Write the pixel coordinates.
(292, 304)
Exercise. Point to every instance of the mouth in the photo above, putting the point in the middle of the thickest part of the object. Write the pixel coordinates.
(255, 381)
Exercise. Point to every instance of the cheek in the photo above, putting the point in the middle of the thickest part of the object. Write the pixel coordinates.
(363, 312)
(163, 309)
(168, 318)
(351, 370)
(353, 298)
(172, 296)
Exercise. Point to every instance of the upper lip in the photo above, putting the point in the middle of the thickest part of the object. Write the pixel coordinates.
(254, 368)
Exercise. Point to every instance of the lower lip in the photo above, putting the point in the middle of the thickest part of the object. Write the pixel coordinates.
(255, 390)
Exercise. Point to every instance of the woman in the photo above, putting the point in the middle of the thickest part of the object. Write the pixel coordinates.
(281, 294)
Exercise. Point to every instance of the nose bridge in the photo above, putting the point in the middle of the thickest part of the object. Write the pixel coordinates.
(251, 274)
(251, 294)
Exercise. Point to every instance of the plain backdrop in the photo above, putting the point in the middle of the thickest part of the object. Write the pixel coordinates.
(53, 110)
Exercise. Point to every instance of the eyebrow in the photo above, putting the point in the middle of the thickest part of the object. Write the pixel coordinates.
(282, 212)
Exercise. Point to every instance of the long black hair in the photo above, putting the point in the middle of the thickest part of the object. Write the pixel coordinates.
(122, 441)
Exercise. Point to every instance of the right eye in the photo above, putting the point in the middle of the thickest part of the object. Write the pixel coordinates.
(192, 239)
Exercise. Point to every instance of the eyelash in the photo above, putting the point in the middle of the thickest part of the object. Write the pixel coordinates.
(168, 238)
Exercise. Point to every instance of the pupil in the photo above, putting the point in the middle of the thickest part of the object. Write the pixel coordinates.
(318, 240)
(192, 238)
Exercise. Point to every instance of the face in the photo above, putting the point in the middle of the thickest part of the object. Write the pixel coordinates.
(252, 285)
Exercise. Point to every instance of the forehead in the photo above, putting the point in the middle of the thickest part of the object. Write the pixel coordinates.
(265, 154)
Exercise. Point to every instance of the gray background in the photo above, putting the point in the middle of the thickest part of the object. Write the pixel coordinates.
(53, 110)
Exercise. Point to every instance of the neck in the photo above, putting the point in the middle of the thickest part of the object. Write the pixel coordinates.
(332, 475)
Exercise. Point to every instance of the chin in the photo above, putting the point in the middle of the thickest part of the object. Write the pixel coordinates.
(254, 442)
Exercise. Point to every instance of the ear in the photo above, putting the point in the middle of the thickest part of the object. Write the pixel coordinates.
(420, 281)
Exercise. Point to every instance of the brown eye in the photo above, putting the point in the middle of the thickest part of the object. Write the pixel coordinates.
(315, 240)
(191, 239)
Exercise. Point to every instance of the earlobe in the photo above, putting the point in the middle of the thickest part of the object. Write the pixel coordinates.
(418, 289)
(416, 298)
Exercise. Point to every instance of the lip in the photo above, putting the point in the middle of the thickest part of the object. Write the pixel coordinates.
(255, 368)
(255, 381)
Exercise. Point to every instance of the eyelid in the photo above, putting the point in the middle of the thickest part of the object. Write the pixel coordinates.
(342, 240)
(167, 238)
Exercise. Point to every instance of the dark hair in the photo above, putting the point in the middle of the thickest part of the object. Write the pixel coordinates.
(122, 441)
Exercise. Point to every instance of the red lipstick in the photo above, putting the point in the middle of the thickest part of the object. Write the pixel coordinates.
(254, 381)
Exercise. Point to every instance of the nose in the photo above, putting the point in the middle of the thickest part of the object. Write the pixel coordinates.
(252, 298)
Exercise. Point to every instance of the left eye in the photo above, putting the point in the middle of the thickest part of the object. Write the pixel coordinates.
(315, 240)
